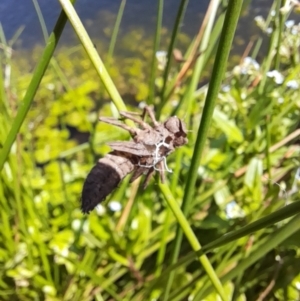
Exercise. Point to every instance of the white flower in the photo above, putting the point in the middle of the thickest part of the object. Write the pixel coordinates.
(100, 209)
(76, 223)
(280, 100)
(249, 61)
(161, 57)
(226, 88)
(289, 23)
(292, 84)
(269, 30)
(115, 206)
(233, 210)
(277, 76)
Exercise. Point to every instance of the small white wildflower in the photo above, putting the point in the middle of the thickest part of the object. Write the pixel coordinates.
(269, 30)
(160, 54)
(251, 62)
(259, 20)
(76, 223)
(237, 70)
(142, 105)
(115, 206)
(247, 67)
(233, 210)
(273, 13)
(174, 103)
(226, 88)
(134, 224)
(161, 57)
(100, 209)
(37, 199)
(243, 95)
(289, 23)
(49, 290)
(292, 84)
(31, 230)
(50, 86)
(277, 76)
(280, 100)
(22, 282)
(64, 252)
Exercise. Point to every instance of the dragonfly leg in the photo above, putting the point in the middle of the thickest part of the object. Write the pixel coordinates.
(148, 110)
(162, 171)
(116, 122)
(131, 116)
(148, 177)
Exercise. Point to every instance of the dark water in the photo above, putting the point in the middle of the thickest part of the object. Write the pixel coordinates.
(97, 15)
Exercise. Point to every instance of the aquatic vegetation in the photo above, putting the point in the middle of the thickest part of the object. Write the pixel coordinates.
(226, 222)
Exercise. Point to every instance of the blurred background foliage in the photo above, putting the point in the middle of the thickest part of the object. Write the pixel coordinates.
(49, 250)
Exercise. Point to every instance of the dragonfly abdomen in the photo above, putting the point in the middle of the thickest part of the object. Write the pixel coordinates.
(103, 178)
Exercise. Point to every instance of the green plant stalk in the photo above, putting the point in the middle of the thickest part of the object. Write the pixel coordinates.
(281, 20)
(230, 22)
(93, 55)
(33, 86)
(189, 97)
(2, 36)
(175, 31)
(208, 21)
(207, 54)
(261, 90)
(163, 243)
(224, 47)
(168, 220)
(3, 99)
(277, 216)
(115, 32)
(270, 243)
(273, 218)
(267, 151)
(6, 223)
(192, 239)
(155, 49)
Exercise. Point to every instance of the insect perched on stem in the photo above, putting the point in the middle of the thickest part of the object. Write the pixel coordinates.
(144, 154)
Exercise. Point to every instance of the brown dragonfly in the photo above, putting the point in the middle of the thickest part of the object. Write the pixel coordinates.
(144, 154)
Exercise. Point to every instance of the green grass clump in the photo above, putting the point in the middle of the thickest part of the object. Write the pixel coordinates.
(226, 223)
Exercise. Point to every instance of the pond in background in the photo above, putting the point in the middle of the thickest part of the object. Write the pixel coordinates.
(99, 15)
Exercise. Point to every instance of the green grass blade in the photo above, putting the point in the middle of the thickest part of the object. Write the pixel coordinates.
(116, 29)
(268, 244)
(192, 239)
(92, 54)
(33, 86)
(211, 13)
(232, 15)
(175, 31)
(230, 23)
(155, 49)
(53, 62)
(271, 219)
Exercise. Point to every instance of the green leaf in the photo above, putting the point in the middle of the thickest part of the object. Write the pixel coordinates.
(253, 178)
(228, 127)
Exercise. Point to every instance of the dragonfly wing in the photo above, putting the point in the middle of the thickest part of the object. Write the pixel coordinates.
(131, 147)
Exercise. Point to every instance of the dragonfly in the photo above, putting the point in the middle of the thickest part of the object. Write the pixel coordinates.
(145, 154)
